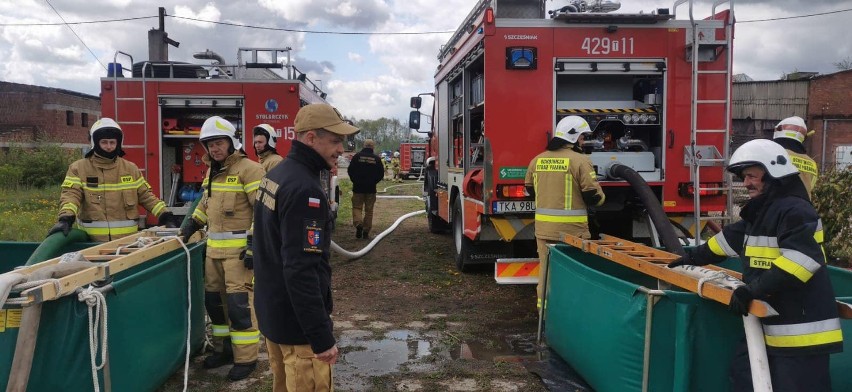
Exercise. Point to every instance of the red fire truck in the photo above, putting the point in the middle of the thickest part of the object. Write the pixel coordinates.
(412, 158)
(654, 88)
(163, 104)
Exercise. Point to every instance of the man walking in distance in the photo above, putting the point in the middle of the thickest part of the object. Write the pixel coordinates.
(365, 170)
(264, 146)
(226, 208)
(563, 182)
(784, 265)
(292, 245)
(791, 133)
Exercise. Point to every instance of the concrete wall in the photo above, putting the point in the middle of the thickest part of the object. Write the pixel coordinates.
(34, 114)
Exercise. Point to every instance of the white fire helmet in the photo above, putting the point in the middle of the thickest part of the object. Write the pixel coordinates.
(570, 128)
(792, 128)
(762, 152)
(271, 135)
(105, 124)
(216, 127)
(396, 154)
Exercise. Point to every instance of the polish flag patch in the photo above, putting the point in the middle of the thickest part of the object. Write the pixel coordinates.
(313, 202)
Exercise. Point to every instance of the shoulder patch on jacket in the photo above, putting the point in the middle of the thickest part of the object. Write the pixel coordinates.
(313, 235)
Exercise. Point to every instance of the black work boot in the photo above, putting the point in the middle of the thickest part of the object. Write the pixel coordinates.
(366, 235)
(359, 231)
(241, 370)
(219, 359)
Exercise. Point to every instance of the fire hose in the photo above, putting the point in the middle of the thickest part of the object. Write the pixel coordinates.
(355, 255)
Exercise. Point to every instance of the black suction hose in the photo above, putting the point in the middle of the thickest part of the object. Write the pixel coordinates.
(668, 237)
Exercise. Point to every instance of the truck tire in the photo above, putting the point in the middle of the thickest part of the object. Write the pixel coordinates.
(463, 244)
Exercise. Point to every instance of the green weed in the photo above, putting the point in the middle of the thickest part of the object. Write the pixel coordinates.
(27, 213)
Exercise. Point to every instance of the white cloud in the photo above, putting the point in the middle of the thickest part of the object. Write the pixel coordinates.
(355, 57)
(209, 12)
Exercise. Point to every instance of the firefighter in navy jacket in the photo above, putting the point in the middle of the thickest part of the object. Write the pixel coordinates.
(292, 240)
(778, 241)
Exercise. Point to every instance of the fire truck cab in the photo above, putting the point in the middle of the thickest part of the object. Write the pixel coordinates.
(162, 104)
(654, 89)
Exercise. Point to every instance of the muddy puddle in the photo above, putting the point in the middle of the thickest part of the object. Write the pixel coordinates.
(368, 354)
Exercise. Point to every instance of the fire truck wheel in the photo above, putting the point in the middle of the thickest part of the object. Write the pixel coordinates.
(463, 244)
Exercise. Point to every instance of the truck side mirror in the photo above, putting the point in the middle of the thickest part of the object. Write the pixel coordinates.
(414, 119)
(416, 102)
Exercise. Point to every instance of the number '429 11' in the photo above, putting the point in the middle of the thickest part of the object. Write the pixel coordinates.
(606, 45)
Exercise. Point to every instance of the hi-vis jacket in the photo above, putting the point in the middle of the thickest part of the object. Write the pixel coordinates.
(808, 171)
(559, 179)
(784, 264)
(269, 159)
(105, 195)
(227, 205)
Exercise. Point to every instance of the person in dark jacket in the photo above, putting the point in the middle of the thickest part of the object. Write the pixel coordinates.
(365, 170)
(777, 241)
(292, 239)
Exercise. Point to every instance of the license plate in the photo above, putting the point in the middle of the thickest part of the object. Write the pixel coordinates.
(502, 207)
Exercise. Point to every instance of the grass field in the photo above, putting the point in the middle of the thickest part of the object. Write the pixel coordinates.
(27, 214)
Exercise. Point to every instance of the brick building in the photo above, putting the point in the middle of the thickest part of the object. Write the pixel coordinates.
(830, 115)
(35, 114)
(822, 100)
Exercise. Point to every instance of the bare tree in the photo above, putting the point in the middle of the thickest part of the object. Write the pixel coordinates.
(844, 64)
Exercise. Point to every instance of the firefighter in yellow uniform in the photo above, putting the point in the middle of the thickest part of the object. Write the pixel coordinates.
(790, 133)
(564, 184)
(265, 139)
(396, 167)
(102, 191)
(227, 209)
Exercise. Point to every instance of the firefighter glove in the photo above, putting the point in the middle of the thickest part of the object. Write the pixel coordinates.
(247, 256)
(686, 259)
(591, 197)
(63, 224)
(740, 300)
(188, 228)
(167, 219)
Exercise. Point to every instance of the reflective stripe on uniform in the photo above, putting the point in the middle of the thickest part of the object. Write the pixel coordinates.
(132, 184)
(804, 334)
(109, 227)
(159, 207)
(221, 330)
(228, 239)
(222, 187)
(561, 216)
(797, 264)
(70, 207)
(762, 246)
(720, 247)
(239, 337)
(69, 182)
(819, 236)
(251, 187)
(569, 194)
(202, 217)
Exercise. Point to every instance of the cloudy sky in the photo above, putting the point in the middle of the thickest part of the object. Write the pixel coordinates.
(366, 75)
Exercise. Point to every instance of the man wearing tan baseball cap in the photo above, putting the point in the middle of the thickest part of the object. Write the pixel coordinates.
(292, 241)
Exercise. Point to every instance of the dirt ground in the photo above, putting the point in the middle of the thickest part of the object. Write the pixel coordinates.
(406, 320)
